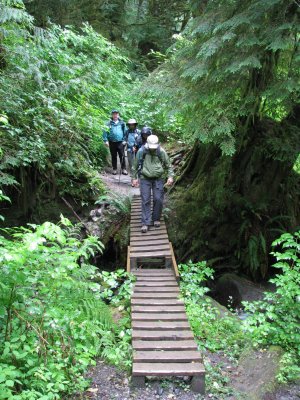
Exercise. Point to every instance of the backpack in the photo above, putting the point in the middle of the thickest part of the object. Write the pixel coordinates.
(145, 152)
(136, 134)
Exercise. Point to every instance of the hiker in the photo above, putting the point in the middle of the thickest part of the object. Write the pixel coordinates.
(152, 166)
(142, 138)
(131, 136)
(114, 138)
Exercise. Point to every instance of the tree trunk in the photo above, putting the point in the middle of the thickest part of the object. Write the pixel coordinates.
(231, 209)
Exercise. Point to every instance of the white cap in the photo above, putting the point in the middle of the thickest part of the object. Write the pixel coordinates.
(131, 121)
(152, 142)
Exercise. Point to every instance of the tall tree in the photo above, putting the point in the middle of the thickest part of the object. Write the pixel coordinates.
(234, 78)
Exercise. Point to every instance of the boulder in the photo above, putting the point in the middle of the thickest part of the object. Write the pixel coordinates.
(232, 289)
(255, 376)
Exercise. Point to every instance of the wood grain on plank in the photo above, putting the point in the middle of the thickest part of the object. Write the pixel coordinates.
(167, 369)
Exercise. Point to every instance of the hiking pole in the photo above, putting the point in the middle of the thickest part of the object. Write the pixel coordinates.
(123, 156)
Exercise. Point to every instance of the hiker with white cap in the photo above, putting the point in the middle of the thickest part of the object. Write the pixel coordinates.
(131, 135)
(152, 166)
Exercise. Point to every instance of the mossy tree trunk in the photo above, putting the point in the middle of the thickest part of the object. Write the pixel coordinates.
(230, 209)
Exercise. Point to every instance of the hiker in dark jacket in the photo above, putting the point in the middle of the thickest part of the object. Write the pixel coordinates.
(114, 138)
(152, 166)
(143, 136)
(131, 136)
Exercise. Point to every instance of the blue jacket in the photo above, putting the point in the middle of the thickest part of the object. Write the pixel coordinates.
(131, 138)
(115, 131)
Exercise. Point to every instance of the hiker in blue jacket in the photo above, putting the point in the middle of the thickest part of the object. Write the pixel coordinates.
(114, 138)
(131, 136)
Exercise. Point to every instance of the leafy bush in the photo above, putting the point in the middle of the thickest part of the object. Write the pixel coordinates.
(57, 88)
(213, 330)
(52, 320)
(275, 319)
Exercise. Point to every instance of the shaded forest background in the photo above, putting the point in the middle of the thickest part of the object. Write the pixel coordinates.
(222, 79)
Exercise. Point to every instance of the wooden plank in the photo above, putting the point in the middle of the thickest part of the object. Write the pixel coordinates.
(168, 369)
(161, 325)
(159, 253)
(150, 239)
(137, 223)
(161, 335)
(162, 228)
(150, 242)
(157, 278)
(150, 316)
(128, 259)
(148, 235)
(172, 295)
(168, 309)
(157, 290)
(146, 248)
(174, 263)
(156, 302)
(147, 284)
(153, 271)
(157, 356)
(164, 344)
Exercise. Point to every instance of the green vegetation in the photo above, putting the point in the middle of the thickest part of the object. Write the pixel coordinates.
(272, 321)
(52, 320)
(225, 83)
(231, 84)
(62, 85)
(275, 320)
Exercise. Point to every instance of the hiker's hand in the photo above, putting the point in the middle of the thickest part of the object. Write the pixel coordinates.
(106, 144)
(135, 182)
(170, 181)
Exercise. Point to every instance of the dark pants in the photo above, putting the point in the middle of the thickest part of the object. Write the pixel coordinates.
(115, 149)
(156, 186)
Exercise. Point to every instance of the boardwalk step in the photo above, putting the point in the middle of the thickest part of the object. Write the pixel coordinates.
(164, 344)
(156, 302)
(167, 369)
(153, 289)
(166, 309)
(149, 234)
(156, 279)
(156, 284)
(145, 316)
(160, 253)
(149, 239)
(146, 248)
(151, 242)
(161, 325)
(157, 356)
(172, 295)
(153, 272)
(161, 335)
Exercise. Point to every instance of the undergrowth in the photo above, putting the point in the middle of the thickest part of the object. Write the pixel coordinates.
(53, 317)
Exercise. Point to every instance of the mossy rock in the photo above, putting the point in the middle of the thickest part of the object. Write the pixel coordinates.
(256, 374)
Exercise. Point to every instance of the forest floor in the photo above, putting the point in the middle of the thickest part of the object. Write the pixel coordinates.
(111, 383)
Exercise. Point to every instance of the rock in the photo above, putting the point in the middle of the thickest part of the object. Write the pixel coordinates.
(256, 372)
(241, 289)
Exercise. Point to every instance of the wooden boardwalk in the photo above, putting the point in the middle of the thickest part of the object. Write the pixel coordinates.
(162, 340)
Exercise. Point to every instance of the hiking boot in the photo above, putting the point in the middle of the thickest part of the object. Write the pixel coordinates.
(156, 224)
(124, 172)
(114, 172)
(144, 229)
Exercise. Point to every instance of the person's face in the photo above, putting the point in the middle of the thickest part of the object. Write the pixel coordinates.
(131, 127)
(115, 116)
